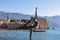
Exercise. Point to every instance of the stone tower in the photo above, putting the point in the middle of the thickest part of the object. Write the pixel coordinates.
(8, 17)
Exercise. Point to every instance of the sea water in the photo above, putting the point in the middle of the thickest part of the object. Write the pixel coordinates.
(50, 34)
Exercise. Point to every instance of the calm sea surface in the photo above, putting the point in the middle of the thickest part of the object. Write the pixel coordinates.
(51, 34)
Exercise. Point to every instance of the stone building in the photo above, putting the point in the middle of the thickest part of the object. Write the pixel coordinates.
(8, 17)
(42, 22)
(2, 21)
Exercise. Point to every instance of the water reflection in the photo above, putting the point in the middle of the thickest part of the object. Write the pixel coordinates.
(24, 35)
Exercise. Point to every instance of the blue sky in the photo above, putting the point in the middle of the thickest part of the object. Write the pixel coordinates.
(45, 7)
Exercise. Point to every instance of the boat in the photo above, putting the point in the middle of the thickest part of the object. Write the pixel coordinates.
(39, 30)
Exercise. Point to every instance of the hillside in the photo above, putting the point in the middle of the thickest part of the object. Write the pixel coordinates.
(3, 15)
(54, 21)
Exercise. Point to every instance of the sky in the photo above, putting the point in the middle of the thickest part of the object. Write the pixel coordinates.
(45, 7)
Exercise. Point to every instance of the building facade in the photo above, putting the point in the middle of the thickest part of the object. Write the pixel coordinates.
(42, 22)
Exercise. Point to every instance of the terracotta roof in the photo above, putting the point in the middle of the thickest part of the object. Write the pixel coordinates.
(16, 23)
(1, 20)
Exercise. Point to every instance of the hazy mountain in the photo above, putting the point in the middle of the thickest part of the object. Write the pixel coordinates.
(53, 21)
(3, 15)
